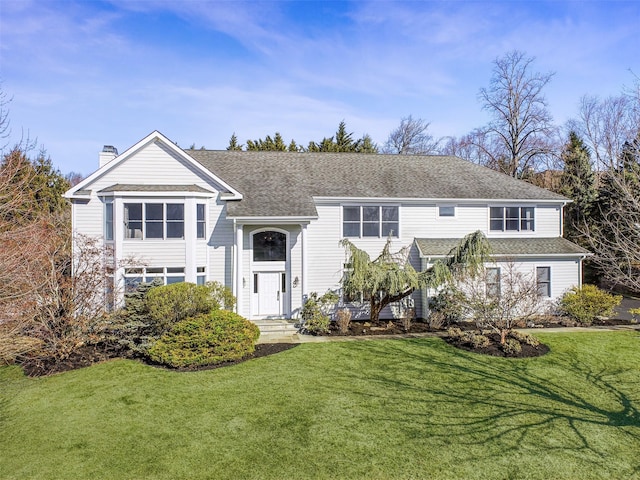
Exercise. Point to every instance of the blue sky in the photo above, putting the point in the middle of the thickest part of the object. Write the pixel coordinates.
(83, 74)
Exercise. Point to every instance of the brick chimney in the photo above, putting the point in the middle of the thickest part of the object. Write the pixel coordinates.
(108, 153)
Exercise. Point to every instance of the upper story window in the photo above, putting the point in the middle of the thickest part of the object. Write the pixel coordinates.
(154, 220)
(370, 221)
(512, 219)
(446, 211)
(108, 221)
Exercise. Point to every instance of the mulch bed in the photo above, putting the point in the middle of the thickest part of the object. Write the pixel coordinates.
(89, 355)
(92, 354)
(495, 349)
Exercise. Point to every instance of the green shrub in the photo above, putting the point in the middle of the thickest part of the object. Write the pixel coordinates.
(173, 303)
(511, 346)
(449, 303)
(206, 339)
(314, 314)
(223, 296)
(587, 303)
(635, 314)
(476, 340)
(526, 338)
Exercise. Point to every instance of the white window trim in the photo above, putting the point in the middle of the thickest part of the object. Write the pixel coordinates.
(512, 232)
(376, 204)
(535, 273)
(165, 221)
(446, 217)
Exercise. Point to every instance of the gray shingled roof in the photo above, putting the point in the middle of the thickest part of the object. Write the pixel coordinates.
(121, 187)
(434, 247)
(284, 183)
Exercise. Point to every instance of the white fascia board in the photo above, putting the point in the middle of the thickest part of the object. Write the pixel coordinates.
(439, 200)
(155, 136)
(182, 194)
(518, 255)
(272, 220)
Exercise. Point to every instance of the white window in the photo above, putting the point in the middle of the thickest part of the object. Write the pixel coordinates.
(512, 219)
(134, 276)
(370, 221)
(446, 211)
(201, 277)
(201, 225)
(493, 282)
(160, 220)
(108, 221)
(543, 280)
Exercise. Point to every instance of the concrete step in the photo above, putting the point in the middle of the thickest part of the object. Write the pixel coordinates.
(276, 327)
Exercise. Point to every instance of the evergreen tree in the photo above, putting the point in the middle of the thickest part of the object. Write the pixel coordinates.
(343, 142)
(233, 143)
(579, 184)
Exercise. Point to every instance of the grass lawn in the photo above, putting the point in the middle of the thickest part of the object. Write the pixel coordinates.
(372, 409)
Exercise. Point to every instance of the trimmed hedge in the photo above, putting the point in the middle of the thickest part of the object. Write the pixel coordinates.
(208, 339)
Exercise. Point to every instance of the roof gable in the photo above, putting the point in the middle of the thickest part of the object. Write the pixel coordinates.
(154, 137)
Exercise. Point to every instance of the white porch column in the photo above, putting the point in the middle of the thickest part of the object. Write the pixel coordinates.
(303, 281)
(239, 270)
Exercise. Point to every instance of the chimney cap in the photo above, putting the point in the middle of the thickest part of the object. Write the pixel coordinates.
(110, 149)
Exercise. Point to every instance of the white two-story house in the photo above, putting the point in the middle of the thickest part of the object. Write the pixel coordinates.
(268, 224)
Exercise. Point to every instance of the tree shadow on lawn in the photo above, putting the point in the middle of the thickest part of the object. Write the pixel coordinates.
(468, 399)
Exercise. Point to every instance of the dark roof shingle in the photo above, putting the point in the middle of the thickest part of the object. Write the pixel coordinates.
(435, 247)
(284, 183)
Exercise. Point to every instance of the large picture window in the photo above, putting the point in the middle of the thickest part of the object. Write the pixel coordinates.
(269, 247)
(160, 220)
(512, 219)
(370, 221)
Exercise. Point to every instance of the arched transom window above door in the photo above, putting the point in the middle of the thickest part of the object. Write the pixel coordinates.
(269, 246)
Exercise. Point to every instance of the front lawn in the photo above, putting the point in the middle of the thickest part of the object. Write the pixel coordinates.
(371, 409)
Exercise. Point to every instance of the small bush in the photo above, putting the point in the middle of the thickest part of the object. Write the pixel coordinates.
(635, 314)
(511, 346)
(587, 303)
(525, 338)
(436, 320)
(454, 332)
(206, 339)
(314, 314)
(343, 319)
(476, 340)
(173, 303)
(448, 302)
(407, 319)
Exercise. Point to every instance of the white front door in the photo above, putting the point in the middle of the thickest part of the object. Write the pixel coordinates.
(269, 294)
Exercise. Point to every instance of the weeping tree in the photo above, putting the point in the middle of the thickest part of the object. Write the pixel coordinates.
(390, 277)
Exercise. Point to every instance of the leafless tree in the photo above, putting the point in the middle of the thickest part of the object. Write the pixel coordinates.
(519, 136)
(606, 124)
(5, 128)
(411, 138)
(501, 301)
